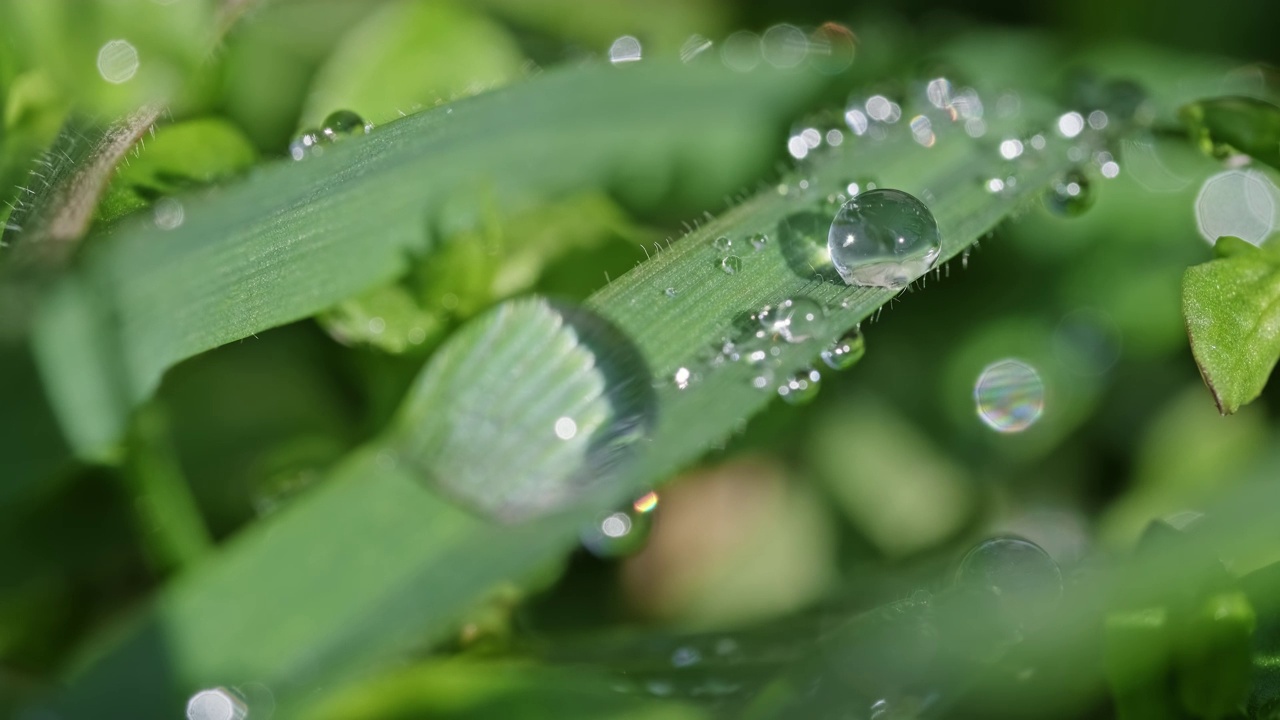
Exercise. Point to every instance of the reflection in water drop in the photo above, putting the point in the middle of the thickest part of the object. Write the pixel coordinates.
(1069, 195)
(168, 213)
(306, 143)
(883, 238)
(794, 320)
(845, 352)
(216, 704)
(731, 265)
(1023, 578)
(801, 388)
(883, 109)
(741, 51)
(1241, 203)
(856, 120)
(344, 123)
(722, 244)
(1070, 124)
(682, 378)
(545, 403)
(625, 49)
(1009, 395)
(117, 61)
(784, 46)
(646, 502)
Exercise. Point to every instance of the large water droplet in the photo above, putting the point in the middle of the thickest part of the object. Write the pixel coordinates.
(344, 123)
(794, 319)
(1070, 195)
(545, 404)
(1023, 578)
(883, 238)
(845, 352)
(1009, 395)
(801, 387)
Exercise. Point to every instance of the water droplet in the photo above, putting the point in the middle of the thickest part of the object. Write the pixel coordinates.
(216, 704)
(731, 265)
(117, 61)
(500, 453)
(722, 244)
(622, 532)
(922, 131)
(883, 109)
(794, 320)
(995, 185)
(1097, 120)
(759, 241)
(682, 377)
(305, 143)
(670, 292)
(1070, 194)
(1010, 149)
(784, 46)
(845, 352)
(1023, 578)
(344, 123)
(883, 238)
(1009, 395)
(1070, 124)
(685, 657)
(801, 388)
(763, 380)
(854, 187)
(168, 213)
(625, 49)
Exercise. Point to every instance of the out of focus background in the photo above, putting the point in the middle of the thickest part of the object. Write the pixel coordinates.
(866, 496)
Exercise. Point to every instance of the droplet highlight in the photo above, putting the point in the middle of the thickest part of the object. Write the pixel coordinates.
(1070, 195)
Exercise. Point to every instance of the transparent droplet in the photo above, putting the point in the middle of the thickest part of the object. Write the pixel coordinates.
(1070, 124)
(619, 533)
(722, 244)
(1070, 194)
(758, 241)
(801, 387)
(305, 143)
(344, 123)
(118, 61)
(794, 319)
(1009, 395)
(625, 49)
(216, 704)
(168, 213)
(1240, 203)
(845, 352)
(731, 265)
(883, 109)
(1010, 149)
(670, 292)
(883, 238)
(763, 380)
(683, 377)
(1023, 579)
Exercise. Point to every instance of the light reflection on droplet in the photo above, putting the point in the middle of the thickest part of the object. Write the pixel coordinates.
(784, 46)
(1241, 203)
(693, 47)
(834, 137)
(1070, 124)
(995, 185)
(118, 61)
(1010, 149)
(682, 378)
(1037, 142)
(883, 109)
(1097, 120)
(1009, 395)
(811, 137)
(625, 49)
(646, 503)
(616, 525)
(215, 704)
(168, 213)
(856, 120)
(939, 92)
(797, 147)
(566, 428)
(741, 51)
(922, 131)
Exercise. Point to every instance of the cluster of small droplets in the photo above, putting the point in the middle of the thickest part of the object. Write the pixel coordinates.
(337, 126)
(801, 387)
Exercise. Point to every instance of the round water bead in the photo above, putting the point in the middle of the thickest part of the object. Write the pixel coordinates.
(343, 123)
(794, 320)
(883, 238)
(731, 265)
(1070, 195)
(845, 352)
(1009, 395)
(623, 532)
(759, 241)
(304, 143)
(722, 244)
(1019, 573)
(801, 388)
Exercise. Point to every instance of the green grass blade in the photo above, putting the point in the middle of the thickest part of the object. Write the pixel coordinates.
(296, 238)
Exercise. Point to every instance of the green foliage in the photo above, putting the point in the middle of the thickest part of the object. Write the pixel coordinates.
(1231, 306)
(1237, 125)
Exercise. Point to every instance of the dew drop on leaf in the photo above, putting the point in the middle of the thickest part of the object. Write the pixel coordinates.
(801, 388)
(1070, 195)
(216, 704)
(845, 352)
(794, 319)
(731, 265)
(1022, 578)
(305, 143)
(883, 238)
(344, 123)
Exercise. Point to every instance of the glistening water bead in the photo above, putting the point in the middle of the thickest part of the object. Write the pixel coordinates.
(343, 123)
(794, 320)
(1070, 195)
(883, 238)
(845, 352)
(1009, 396)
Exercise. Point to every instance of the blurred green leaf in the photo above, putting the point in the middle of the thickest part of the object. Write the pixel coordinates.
(1232, 308)
(453, 52)
(1236, 125)
(175, 158)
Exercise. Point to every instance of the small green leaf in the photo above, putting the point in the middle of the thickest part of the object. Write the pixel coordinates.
(1213, 662)
(1232, 309)
(1236, 124)
(453, 52)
